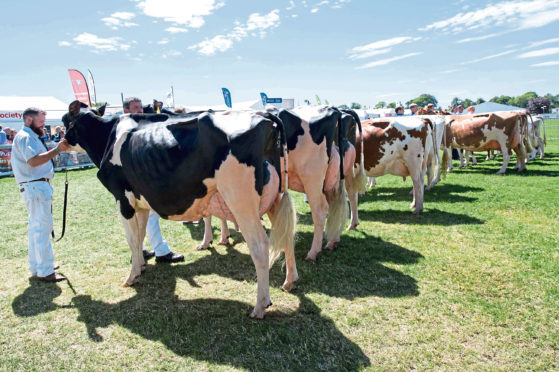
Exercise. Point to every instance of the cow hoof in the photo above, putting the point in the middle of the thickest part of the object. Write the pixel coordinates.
(352, 227)
(330, 246)
(143, 267)
(224, 241)
(500, 173)
(311, 256)
(203, 246)
(418, 211)
(288, 287)
(128, 283)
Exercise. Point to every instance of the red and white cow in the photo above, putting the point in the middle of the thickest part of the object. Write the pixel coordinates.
(490, 131)
(399, 147)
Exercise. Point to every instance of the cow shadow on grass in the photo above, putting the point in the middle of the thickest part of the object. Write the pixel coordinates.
(442, 192)
(219, 331)
(529, 172)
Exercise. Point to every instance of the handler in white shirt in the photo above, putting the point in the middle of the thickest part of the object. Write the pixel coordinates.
(33, 170)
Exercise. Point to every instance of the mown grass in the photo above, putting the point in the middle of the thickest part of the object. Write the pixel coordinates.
(472, 283)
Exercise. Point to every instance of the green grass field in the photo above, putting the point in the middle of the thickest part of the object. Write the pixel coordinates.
(471, 283)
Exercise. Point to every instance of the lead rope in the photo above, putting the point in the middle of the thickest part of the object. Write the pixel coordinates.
(65, 204)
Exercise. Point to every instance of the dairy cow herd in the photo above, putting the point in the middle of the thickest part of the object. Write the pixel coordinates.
(240, 165)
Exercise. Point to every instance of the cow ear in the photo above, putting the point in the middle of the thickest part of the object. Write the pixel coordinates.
(74, 108)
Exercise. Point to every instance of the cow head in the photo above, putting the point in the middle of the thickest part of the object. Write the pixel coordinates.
(76, 112)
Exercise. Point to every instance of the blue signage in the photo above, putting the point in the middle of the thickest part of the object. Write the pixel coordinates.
(227, 97)
(264, 98)
(274, 100)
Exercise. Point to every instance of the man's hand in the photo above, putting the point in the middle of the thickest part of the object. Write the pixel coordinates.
(63, 145)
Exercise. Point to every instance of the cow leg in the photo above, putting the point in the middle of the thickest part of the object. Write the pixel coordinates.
(225, 234)
(319, 210)
(506, 157)
(474, 159)
(461, 154)
(208, 235)
(520, 151)
(235, 182)
(371, 182)
(418, 191)
(135, 229)
(353, 201)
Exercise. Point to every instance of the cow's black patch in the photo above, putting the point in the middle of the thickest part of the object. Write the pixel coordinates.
(293, 128)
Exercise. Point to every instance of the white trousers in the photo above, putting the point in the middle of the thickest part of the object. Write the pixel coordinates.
(153, 231)
(37, 197)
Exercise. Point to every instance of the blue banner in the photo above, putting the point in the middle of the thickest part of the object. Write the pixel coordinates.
(264, 98)
(227, 97)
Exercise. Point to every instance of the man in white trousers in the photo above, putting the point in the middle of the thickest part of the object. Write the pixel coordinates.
(34, 170)
(161, 250)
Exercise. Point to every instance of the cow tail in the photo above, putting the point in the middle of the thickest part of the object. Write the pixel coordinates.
(359, 184)
(446, 150)
(338, 210)
(528, 140)
(435, 170)
(282, 233)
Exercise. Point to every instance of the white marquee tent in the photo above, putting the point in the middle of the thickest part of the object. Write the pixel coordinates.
(494, 106)
(12, 107)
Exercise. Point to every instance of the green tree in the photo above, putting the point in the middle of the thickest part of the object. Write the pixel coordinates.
(355, 106)
(381, 104)
(343, 107)
(455, 101)
(99, 104)
(522, 101)
(423, 100)
(504, 100)
(467, 103)
(479, 101)
(391, 105)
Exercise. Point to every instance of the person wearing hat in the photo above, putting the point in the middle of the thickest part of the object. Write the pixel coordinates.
(33, 170)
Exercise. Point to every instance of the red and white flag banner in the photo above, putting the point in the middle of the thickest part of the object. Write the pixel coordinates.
(79, 84)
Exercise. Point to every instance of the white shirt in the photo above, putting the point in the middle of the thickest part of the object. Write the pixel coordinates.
(27, 145)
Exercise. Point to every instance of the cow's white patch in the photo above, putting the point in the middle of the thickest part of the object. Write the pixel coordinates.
(125, 126)
(232, 122)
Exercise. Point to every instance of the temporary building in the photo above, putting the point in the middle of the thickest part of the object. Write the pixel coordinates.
(494, 106)
(12, 107)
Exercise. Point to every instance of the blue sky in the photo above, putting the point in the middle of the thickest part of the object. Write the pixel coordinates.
(342, 50)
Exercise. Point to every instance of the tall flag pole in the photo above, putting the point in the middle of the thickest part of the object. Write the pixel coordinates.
(227, 97)
(91, 84)
(79, 84)
(170, 100)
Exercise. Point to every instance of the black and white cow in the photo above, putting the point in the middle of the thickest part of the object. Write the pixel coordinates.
(186, 168)
(314, 135)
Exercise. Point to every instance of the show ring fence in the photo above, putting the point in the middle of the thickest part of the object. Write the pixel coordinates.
(551, 126)
(70, 159)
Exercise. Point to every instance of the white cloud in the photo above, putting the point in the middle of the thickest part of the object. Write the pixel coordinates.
(210, 47)
(543, 42)
(64, 43)
(163, 41)
(256, 25)
(188, 13)
(291, 5)
(386, 61)
(119, 19)
(489, 57)
(545, 64)
(517, 14)
(175, 30)
(539, 53)
(378, 47)
(488, 36)
(100, 44)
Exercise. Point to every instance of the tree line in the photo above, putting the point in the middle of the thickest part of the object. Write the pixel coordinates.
(529, 100)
